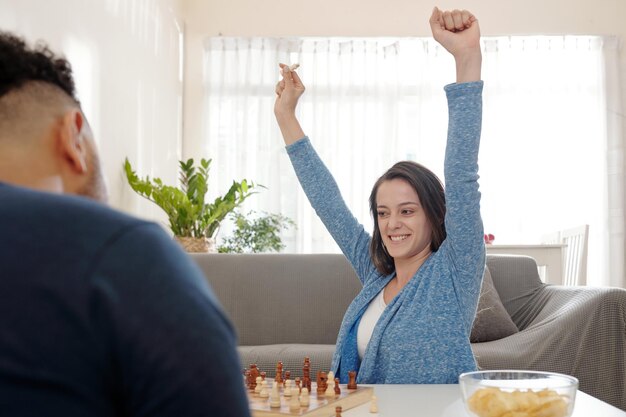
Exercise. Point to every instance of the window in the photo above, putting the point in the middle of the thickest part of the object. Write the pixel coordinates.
(373, 101)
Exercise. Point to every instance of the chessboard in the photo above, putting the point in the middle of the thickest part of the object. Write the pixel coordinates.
(319, 406)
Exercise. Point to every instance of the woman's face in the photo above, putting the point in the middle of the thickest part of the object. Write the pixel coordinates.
(403, 224)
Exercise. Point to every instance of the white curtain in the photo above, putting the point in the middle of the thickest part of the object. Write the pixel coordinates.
(551, 148)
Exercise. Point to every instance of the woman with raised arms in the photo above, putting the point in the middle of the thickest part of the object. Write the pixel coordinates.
(422, 267)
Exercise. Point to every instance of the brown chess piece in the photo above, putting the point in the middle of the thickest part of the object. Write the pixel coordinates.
(247, 375)
(279, 373)
(263, 374)
(254, 372)
(352, 381)
(287, 376)
(337, 389)
(318, 381)
(338, 411)
(306, 375)
(321, 383)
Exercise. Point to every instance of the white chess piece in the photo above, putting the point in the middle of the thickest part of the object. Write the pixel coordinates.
(330, 390)
(257, 389)
(294, 403)
(287, 390)
(304, 397)
(264, 392)
(275, 396)
(374, 405)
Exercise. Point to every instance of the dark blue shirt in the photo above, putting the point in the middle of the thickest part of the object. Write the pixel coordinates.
(102, 314)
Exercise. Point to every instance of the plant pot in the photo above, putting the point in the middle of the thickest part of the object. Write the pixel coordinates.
(197, 244)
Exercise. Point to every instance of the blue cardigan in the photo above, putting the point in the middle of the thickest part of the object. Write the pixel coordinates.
(423, 334)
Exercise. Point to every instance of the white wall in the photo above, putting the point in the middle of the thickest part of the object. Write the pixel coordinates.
(125, 56)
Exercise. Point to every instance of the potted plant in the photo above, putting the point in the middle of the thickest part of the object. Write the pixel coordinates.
(193, 221)
(255, 234)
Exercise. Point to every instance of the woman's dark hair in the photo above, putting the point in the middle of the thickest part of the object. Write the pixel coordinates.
(20, 64)
(430, 191)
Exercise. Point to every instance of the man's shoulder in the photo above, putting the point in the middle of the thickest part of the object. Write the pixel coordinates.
(66, 218)
(24, 201)
(84, 239)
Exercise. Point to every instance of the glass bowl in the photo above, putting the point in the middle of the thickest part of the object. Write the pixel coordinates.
(527, 393)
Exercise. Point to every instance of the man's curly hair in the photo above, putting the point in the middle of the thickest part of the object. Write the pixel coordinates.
(20, 64)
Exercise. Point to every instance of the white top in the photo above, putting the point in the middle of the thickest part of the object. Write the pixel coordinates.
(368, 322)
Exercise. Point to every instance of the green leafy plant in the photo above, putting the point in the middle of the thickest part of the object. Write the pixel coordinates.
(187, 212)
(260, 234)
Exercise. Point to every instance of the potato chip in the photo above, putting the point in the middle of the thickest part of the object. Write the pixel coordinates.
(494, 402)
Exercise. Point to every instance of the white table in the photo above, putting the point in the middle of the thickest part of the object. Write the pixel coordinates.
(445, 401)
(548, 256)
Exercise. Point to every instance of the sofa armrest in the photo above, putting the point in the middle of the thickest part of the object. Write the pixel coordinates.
(556, 302)
(579, 331)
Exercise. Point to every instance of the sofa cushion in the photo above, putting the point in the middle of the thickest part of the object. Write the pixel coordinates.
(492, 321)
(517, 282)
(274, 298)
(291, 355)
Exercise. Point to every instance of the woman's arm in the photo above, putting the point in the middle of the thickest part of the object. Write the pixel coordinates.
(459, 33)
(319, 186)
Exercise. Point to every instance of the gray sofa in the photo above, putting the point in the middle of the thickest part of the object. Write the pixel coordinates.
(288, 306)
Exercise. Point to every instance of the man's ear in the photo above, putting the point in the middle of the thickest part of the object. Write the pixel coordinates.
(71, 141)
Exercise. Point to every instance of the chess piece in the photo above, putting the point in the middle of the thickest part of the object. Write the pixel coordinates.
(287, 376)
(247, 378)
(298, 384)
(304, 397)
(279, 373)
(306, 373)
(321, 383)
(306, 376)
(257, 389)
(294, 404)
(330, 381)
(264, 391)
(254, 372)
(337, 389)
(275, 396)
(338, 411)
(287, 391)
(318, 380)
(374, 405)
(352, 382)
(263, 375)
(330, 387)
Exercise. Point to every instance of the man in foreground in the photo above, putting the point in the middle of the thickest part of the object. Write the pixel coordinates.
(101, 314)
